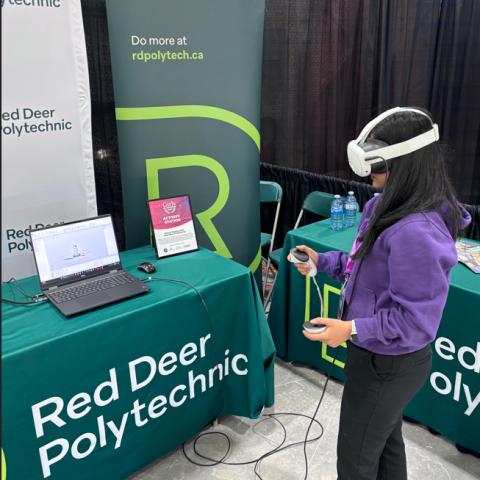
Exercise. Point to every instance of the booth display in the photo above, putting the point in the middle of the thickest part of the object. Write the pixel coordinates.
(156, 154)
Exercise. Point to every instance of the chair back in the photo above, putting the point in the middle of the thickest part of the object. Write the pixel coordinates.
(318, 203)
(270, 192)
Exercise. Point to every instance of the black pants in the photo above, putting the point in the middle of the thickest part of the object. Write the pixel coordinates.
(377, 389)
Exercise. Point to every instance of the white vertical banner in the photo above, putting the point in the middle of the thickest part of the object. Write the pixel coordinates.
(47, 162)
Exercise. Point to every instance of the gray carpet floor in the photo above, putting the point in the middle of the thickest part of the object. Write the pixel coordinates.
(297, 389)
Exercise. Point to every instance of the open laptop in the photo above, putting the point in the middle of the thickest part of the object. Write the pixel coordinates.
(79, 266)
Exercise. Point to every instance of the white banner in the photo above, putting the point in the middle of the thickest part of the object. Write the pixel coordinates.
(47, 164)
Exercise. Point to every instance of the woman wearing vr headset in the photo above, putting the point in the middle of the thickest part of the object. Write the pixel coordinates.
(396, 280)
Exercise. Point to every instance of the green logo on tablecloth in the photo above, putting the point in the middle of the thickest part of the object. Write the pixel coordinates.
(4, 467)
(327, 289)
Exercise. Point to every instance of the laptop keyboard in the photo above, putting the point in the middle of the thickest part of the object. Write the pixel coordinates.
(94, 286)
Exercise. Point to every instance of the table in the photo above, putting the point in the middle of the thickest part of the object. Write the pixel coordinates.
(116, 388)
(450, 401)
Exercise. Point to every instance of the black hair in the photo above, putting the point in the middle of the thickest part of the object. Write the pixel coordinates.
(416, 182)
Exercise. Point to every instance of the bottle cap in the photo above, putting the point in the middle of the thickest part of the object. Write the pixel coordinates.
(350, 192)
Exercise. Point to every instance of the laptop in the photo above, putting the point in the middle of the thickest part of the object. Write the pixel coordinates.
(79, 266)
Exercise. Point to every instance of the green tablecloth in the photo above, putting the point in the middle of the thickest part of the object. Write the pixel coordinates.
(450, 401)
(46, 355)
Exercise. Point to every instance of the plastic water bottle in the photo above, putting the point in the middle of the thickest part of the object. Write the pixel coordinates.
(351, 209)
(336, 214)
(351, 195)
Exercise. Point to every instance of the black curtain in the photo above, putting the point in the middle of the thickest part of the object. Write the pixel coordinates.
(455, 100)
(297, 184)
(104, 130)
(332, 65)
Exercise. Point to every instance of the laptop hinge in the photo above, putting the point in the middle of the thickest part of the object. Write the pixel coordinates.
(52, 288)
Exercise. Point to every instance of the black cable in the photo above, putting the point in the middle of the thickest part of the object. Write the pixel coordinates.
(12, 291)
(32, 302)
(35, 299)
(279, 448)
(13, 282)
(340, 316)
(313, 418)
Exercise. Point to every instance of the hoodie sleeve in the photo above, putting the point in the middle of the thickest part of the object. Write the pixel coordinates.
(334, 263)
(419, 266)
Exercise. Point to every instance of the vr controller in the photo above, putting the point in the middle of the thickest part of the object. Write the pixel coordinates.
(314, 327)
(297, 256)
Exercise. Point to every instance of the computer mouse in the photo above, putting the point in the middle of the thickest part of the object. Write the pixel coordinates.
(147, 267)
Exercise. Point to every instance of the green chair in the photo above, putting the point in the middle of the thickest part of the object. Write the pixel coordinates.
(270, 192)
(318, 203)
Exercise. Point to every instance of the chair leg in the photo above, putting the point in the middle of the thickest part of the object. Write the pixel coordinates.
(265, 283)
(265, 303)
(263, 278)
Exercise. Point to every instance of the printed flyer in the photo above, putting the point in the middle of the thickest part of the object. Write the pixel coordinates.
(173, 227)
(469, 254)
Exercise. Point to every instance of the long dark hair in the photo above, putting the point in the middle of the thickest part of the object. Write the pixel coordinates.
(417, 182)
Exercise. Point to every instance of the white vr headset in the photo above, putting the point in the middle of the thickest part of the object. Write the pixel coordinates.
(361, 156)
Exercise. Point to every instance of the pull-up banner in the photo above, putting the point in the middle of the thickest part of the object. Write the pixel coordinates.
(187, 80)
(47, 164)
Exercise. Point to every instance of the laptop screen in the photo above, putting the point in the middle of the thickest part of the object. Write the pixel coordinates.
(75, 250)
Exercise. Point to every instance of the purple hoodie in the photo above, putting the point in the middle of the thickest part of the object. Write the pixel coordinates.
(403, 282)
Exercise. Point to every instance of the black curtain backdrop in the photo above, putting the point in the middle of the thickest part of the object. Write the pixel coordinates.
(297, 184)
(332, 65)
(104, 128)
(455, 96)
(329, 66)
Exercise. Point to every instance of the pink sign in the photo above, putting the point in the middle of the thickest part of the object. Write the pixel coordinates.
(170, 212)
(173, 226)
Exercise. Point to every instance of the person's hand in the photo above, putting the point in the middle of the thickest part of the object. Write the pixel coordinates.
(337, 332)
(303, 268)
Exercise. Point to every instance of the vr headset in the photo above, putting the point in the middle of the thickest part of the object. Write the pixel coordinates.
(369, 156)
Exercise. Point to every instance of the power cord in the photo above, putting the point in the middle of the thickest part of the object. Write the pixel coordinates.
(279, 448)
(34, 299)
(32, 302)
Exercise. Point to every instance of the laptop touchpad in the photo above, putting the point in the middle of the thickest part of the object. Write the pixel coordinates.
(94, 299)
